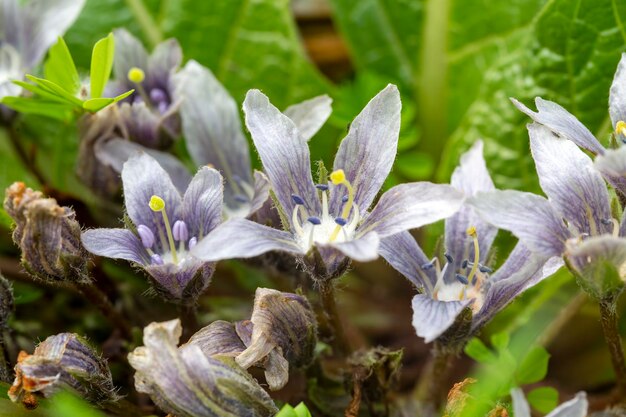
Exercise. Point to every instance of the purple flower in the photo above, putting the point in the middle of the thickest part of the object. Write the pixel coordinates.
(166, 227)
(318, 219)
(465, 280)
(575, 221)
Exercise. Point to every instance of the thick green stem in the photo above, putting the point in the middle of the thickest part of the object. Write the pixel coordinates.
(433, 387)
(146, 21)
(608, 318)
(329, 305)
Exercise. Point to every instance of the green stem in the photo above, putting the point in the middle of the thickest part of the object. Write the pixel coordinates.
(329, 306)
(146, 21)
(101, 301)
(608, 318)
(432, 388)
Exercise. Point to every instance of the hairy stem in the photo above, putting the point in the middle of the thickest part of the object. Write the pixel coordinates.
(329, 305)
(608, 318)
(102, 303)
(146, 21)
(432, 387)
(189, 321)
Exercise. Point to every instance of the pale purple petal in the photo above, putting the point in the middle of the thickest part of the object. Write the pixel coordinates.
(143, 177)
(367, 153)
(405, 256)
(129, 53)
(576, 407)
(612, 166)
(562, 122)
(310, 115)
(202, 202)
(520, 405)
(528, 216)
(212, 127)
(285, 155)
(162, 63)
(617, 94)
(143, 125)
(431, 318)
(261, 192)
(116, 244)
(567, 176)
(10, 69)
(241, 238)
(471, 176)
(115, 152)
(361, 249)
(183, 282)
(589, 257)
(42, 22)
(409, 206)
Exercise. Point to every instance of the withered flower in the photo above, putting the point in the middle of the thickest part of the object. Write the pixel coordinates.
(63, 361)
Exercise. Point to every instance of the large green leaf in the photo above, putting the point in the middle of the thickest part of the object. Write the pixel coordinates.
(60, 69)
(248, 44)
(101, 65)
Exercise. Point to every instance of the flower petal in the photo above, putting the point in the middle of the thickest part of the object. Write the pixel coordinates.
(310, 115)
(590, 257)
(412, 205)
(617, 94)
(567, 176)
(129, 53)
(116, 244)
(143, 177)
(285, 155)
(367, 153)
(202, 202)
(431, 318)
(10, 69)
(261, 192)
(241, 238)
(361, 249)
(576, 407)
(405, 256)
(162, 63)
(471, 176)
(116, 151)
(612, 166)
(183, 282)
(528, 216)
(561, 122)
(520, 405)
(212, 127)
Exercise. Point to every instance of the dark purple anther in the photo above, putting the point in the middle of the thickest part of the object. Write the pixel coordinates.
(314, 220)
(297, 199)
(321, 187)
(462, 279)
(341, 221)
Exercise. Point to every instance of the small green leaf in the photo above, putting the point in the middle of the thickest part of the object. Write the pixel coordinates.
(65, 404)
(477, 350)
(43, 107)
(500, 341)
(287, 411)
(37, 90)
(60, 69)
(55, 89)
(302, 411)
(534, 367)
(95, 104)
(543, 399)
(101, 64)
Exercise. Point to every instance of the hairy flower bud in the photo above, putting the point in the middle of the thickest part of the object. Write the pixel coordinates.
(284, 334)
(47, 234)
(60, 362)
(218, 338)
(187, 383)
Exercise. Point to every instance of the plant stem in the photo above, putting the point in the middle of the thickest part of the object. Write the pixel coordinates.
(329, 305)
(100, 300)
(189, 321)
(608, 318)
(124, 408)
(432, 388)
(16, 142)
(146, 21)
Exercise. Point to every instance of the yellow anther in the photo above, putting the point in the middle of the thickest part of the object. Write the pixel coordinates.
(620, 128)
(136, 75)
(156, 203)
(338, 177)
(471, 231)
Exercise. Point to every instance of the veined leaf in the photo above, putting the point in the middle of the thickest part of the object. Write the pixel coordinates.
(55, 89)
(101, 65)
(60, 69)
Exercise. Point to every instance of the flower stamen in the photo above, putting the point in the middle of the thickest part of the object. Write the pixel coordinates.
(157, 204)
(620, 128)
(338, 177)
(471, 231)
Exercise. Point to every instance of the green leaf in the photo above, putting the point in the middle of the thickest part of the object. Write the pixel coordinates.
(60, 69)
(101, 64)
(287, 411)
(253, 44)
(477, 350)
(302, 411)
(55, 89)
(65, 404)
(500, 341)
(543, 399)
(43, 107)
(96, 104)
(534, 367)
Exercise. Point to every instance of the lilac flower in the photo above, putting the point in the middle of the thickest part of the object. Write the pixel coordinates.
(166, 226)
(330, 219)
(465, 281)
(576, 407)
(575, 221)
(27, 30)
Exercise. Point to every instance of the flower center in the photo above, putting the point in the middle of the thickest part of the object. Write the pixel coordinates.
(179, 233)
(620, 130)
(156, 97)
(465, 286)
(326, 228)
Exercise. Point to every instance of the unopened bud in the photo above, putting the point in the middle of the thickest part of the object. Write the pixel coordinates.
(47, 234)
(63, 361)
(187, 383)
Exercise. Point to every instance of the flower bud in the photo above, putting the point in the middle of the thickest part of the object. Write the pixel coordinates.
(60, 362)
(218, 338)
(284, 334)
(187, 383)
(47, 234)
